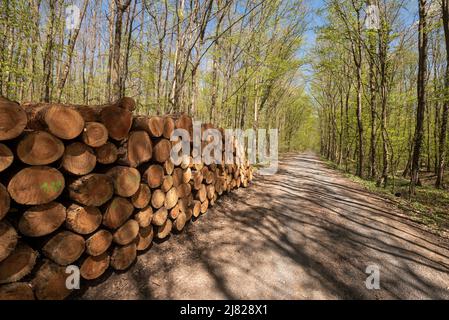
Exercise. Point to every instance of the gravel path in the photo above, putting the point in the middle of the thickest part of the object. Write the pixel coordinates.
(305, 233)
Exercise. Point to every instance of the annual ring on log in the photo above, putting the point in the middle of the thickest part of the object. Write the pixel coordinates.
(36, 185)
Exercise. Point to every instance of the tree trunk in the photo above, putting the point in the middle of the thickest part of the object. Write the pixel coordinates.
(123, 256)
(116, 66)
(126, 233)
(83, 219)
(421, 90)
(36, 185)
(95, 134)
(92, 190)
(79, 159)
(42, 220)
(94, 266)
(6, 157)
(445, 115)
(118, 211)
(136, 150)
(49, 282)
(18, 264)
(98, 243)
(126, 180)
(107, 153)
(64, 248)
(13, 119)
(71, 47)
(8, 240)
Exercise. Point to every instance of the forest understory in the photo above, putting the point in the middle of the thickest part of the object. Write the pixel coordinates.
(429, 206)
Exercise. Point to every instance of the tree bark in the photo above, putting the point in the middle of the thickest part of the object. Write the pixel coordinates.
(421, 90)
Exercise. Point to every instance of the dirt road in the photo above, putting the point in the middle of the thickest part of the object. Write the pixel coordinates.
(305, 233)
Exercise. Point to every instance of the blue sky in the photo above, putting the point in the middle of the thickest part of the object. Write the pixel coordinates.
(315, 19)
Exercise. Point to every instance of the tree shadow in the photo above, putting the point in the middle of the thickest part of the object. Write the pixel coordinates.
(302, 233)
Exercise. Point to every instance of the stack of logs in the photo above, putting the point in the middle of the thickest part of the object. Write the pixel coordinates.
(92, 186)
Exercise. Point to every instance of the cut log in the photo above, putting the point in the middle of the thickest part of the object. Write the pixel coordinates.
(64, 248)
(189, 214)
(159, 217)
(123, 256)
(126, 180)
(50, 282)
(92, 190)
(126, 233)
(185, 159)
(6, 157)
(137, 149)
(16, 291)
(180, 222)
(204, 170)
(185, 122)
(219, 186)
(169, 127)
(42, 220)
(161, 150)
(167, 183)
(98, 243)
(64, 122)
(144, 217)
(117, 120)
(183, 205)
(154, 126)
(36, 185)
(213, 201)
(13, 119)
(95, 134)
(210, 191)
(168, 167)
(184, 190)
(201, 193)
(18, 264)
(177, 176)
(79, 159)
(174, 212)
(186, 175)
(154, 176)
(8, 240)
(209, 177)
(127, 103)
(157, 199)
(106, 154)
(189, 199)
(93, 267)
(117, 212)
(197, 178)
(83, 219)
(39, 148)
(144, 238)
(204, 206)
(142, 197)
(164, 230)
(198, 166)
(171, 198)
(196, 210)
(5, 201)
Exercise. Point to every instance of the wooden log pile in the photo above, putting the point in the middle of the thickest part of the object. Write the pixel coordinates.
(92, 186)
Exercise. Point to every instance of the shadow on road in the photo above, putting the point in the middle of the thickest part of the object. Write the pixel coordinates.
(303, 233)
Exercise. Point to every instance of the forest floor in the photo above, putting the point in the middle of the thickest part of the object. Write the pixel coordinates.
(429, 206)
(307, 232)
